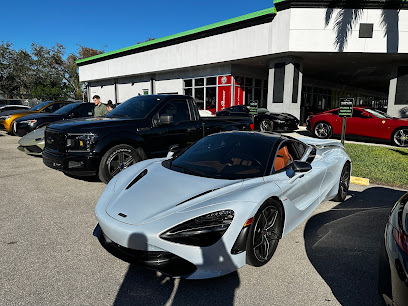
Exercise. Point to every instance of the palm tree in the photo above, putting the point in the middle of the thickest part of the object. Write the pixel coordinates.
(350, 13)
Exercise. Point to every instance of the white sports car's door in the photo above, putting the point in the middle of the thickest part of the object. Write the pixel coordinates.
(301, 191)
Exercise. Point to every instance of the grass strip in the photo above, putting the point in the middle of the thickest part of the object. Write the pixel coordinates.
(381, 165)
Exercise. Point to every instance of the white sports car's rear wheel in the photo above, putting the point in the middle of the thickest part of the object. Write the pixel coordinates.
(264, 234)
(344, 183)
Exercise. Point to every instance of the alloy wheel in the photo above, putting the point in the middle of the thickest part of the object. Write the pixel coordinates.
(266, 233)
(322, 130)
(119, 161)
(401, 137)
(344, 181)
(266, 126)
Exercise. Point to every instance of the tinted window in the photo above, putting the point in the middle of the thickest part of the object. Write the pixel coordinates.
(85, 110)
(357, 113)
(178, 109)
(53, 107)
(66, 109)
(301, 148)
(39, 106)
(377, 113)
(225, 156)
(137, 108)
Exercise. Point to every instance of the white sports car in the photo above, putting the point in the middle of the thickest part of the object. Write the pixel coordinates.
(223, 202)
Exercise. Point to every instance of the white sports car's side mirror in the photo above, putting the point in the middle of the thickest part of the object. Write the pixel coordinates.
(173, 149)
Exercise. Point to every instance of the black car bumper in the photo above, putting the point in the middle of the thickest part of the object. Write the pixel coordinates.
(72, 164)
(164, 262)
(23, 129)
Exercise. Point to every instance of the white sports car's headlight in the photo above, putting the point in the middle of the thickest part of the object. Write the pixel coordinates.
(201, 231)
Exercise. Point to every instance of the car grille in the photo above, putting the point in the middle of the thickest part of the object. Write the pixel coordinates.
(55, 140)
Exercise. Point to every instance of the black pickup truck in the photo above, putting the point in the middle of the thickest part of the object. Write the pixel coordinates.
(142, 127)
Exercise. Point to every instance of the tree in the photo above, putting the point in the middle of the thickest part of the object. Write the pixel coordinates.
(350, 13)
(15, 71)
(76, 88)
(49, 73)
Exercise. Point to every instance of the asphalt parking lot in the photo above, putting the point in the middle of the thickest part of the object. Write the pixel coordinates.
(49, 256)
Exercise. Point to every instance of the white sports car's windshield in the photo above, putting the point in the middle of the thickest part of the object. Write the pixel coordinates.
(225, 156)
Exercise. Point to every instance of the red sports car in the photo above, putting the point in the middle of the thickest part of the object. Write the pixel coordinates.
(366, 122)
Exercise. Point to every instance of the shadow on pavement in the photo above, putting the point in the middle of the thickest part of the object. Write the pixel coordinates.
(343, 244)
(147, 287)
(92, 178)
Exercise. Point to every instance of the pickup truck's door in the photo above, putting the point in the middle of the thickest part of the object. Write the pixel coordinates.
(184, 130)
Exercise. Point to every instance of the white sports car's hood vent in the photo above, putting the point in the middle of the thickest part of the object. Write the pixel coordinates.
(198, 195)
(137, 178)
(160, 192)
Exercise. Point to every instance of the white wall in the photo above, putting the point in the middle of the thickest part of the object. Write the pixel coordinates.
(169, 86)
(105, 89)
(239, 44)
(309, 33)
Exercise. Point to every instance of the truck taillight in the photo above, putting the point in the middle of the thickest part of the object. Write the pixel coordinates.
(252, 126)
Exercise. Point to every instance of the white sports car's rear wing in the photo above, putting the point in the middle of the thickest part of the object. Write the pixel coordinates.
(322, 143)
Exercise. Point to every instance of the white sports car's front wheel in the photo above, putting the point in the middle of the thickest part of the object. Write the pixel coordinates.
(264, 234)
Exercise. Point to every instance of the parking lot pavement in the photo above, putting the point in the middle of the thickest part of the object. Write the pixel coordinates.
(302, 132)
(49, 256)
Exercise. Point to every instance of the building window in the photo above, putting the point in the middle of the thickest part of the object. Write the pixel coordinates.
(203, 90)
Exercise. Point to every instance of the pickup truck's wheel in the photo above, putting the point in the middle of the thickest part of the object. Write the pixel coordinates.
(117, 159)
(264, 234)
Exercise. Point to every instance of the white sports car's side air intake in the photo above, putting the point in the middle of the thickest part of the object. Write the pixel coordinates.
(223, 202)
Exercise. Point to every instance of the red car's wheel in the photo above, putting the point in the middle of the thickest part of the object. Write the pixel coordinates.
(323, 130)
(400, 137)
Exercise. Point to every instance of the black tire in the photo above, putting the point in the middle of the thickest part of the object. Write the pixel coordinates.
(266, 125)
(400, 137)
(117, 159)
(264, 234)
(323, 130)
(344, 183)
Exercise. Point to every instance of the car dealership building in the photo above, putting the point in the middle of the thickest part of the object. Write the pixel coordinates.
(298, 57)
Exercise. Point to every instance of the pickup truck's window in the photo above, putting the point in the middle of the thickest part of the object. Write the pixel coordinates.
(136, 108)
(178, 109)
(225, 156)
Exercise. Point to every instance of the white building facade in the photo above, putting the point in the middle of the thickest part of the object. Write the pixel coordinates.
(299, 57)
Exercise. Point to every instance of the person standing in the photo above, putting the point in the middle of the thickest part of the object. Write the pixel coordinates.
(100, 108)
(110, 106)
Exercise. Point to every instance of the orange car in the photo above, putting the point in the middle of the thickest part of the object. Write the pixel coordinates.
(7, 118)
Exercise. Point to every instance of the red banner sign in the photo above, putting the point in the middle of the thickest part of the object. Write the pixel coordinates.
(224, 92)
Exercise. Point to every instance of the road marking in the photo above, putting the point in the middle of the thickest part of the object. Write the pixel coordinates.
(359, 181)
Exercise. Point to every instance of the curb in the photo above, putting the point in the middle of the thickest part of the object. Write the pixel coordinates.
(359, 181)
